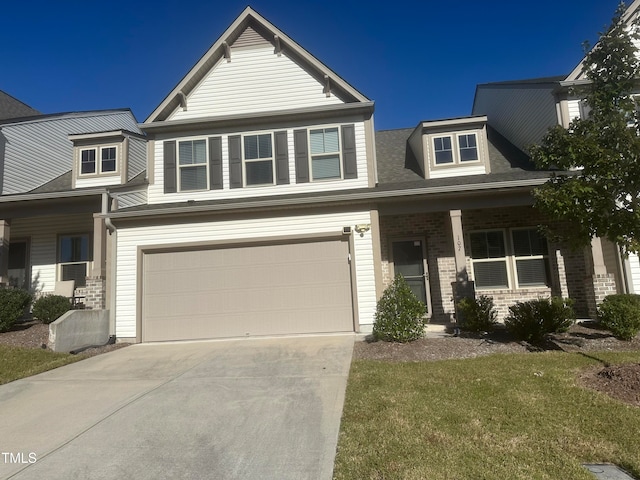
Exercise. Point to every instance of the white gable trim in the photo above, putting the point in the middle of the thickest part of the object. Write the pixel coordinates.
(217, 51)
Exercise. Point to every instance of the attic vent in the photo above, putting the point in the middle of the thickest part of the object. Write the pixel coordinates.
(250, 38)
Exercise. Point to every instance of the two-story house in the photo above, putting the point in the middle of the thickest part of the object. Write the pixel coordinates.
(523, 111)
(256, 199)
(268, 211)
(55, 172)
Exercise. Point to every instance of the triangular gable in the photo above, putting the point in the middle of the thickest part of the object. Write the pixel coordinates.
(630, 15)
(251, 35)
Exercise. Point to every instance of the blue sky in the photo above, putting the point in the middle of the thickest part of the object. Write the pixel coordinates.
(418, 60)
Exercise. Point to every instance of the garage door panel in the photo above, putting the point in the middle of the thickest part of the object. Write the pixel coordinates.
(256, 290)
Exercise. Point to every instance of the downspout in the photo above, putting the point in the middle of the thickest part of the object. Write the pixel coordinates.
(112, 248)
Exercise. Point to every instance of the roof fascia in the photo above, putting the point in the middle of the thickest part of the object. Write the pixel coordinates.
(25, 197)
(260, 117)
(101, 135)
(454, 122)
(369, 196)
(217, 50)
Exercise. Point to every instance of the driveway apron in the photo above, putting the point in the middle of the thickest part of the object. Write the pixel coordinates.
(239, 409)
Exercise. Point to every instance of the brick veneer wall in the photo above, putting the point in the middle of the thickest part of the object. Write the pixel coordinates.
(96, 292)
(569, 269)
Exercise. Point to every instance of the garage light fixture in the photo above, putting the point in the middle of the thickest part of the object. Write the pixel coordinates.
(362, 228)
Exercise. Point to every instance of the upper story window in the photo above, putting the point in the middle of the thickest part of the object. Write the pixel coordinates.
(258, 159)
(466, 149)
(108, 160)
(192, 164)
(325, 153)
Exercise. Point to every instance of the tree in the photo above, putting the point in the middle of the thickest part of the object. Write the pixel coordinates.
(601, 196)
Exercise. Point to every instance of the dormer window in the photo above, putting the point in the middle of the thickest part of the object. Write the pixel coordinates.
(108, 160)
(446, 154)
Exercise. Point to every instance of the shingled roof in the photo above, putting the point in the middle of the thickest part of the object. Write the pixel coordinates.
(397, 164)
(11, 107)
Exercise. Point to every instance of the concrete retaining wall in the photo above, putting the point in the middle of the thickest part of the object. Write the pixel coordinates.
(79, 328)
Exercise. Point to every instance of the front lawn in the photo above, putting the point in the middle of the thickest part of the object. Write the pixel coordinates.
(18, 362)
(517, 416)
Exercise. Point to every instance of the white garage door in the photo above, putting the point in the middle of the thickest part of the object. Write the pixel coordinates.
(249, 290)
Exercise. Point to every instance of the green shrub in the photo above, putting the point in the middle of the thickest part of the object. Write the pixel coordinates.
(50, 307)
(13, 303)
(399, 314)
(533, 320)
(621, 315)
(478, 314)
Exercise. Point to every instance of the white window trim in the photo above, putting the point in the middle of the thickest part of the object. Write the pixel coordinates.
(60, 263)
(245, 161)
(527, 257)
(98, 166)
(510, 259)
(340, 153)
(179, 167)
(505, 259)
(455, 148)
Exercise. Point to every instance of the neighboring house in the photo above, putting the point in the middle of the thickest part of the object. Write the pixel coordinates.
(523, 111)
(55, 172)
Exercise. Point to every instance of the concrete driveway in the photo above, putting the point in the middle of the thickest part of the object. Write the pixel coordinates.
(245, 409)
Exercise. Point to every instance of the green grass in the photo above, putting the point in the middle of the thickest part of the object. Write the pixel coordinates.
(18, 362)
(496, 417)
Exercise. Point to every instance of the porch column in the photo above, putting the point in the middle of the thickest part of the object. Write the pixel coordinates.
(99, 247)
(462, 287)
(5, 238)
(96, 281)
(601, 283)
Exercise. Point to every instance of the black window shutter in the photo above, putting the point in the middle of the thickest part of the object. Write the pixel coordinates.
(170, 179)
(215, 163)
(282, 158)
(301, 156)
(349, 162)
(235, 161)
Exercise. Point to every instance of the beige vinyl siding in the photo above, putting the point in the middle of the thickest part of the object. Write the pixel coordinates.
(129, 239)
(157, 195)
(634, 265)
(132, 199)
(137, 161)
(98, 181)
(521, 114)
(255, 80)
(42, 233)
(457, 171)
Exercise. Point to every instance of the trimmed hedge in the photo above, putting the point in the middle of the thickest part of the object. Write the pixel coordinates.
(13, 303)
(621, 315)
(478, 314)
(399, 314)
(49, 308)
(533, 320)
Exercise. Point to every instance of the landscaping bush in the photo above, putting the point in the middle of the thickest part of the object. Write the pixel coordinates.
(13, 303)
(533, 320)
(399, 314)
(478, 314)
(49, 308)
(621, 315)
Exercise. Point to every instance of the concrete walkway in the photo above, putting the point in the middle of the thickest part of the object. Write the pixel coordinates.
(245, 409)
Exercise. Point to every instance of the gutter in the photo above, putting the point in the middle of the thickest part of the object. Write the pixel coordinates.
(345, 197)
(20, 197)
